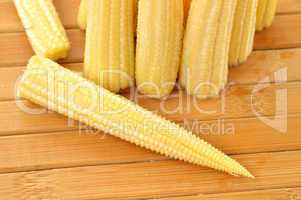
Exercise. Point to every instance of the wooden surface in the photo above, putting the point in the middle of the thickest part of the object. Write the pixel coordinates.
(46, 156)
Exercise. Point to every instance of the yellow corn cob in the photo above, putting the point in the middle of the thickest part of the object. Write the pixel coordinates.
(159, 38)
(204, 68)
(265, 13)
(109, 54)
(43, 27)
(50, 85)
(82, 14)
(243, 31)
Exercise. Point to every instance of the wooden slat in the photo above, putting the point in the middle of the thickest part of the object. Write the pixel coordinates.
(284, 33)
(279, 194)
(194, 197)
(260, 65)
(9, 21)
(87, 147)
(15, 49)
(238, 103)
(264, 64)
(276, 194)
(289, 6)
(11, 75)
(152, 179)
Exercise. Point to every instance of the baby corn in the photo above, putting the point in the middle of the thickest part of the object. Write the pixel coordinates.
(109, 54)
(82, 14)
(50, 85)
(159, 43)
(204, 68)
(43, 27)
(265, 13)
(243, 31)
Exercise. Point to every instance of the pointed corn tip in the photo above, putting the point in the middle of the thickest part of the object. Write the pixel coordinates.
(250, 176)
(246, 173)
(241, 171)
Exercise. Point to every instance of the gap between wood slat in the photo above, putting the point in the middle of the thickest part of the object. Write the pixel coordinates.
(238, 103)
(87, 147)
(9, 21)
(260, 65)
(279, 194)
(15, 49)
(149, 180)
(39, 193)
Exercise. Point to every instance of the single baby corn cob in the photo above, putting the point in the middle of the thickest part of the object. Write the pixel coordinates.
(159, 43)
(50, 85)
(243, 31)
(43, 27)
(204, 68)
(82, 14)
(109, 54)
(265, 13)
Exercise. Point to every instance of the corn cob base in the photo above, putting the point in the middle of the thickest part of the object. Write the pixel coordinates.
(265, 13)
(43, 28)
(159, 38)
(50, 85)
(204, 69)
(243, 32)
(82, 14)
(109, 53)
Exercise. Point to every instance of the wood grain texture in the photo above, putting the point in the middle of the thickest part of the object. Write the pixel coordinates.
(19, 117)
(260, 65)
(289, 6)
(44, 157)
(152, 179)
(277, 194)
(15, 49)
(9, 21)
(88, 147)
(265, 64)
(283, 33)
(8, 83)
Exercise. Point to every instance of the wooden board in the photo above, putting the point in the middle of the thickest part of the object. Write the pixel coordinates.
(46, 156)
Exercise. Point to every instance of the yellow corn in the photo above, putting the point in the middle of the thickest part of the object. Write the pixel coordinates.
(50, 85)
(109, 55)
(159, 43)
(204, 68)
(82, 14)
(265, 13)
(43, 27)
(243, 31)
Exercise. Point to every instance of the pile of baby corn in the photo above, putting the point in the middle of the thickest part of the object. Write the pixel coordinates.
(152, 44)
